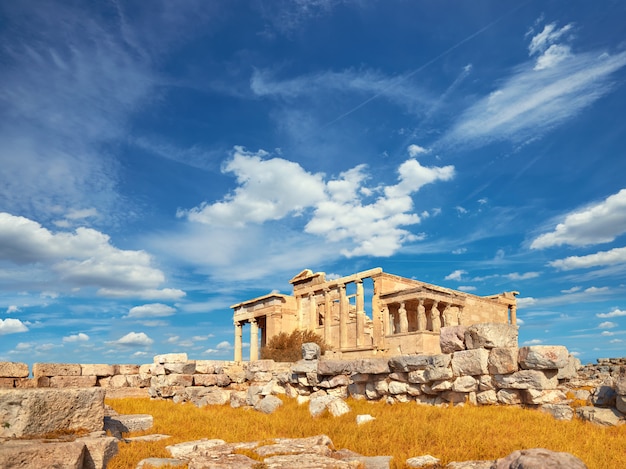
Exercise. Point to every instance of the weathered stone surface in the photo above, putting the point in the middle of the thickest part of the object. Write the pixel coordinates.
(261, 366)
(452, 339)
(187, 368)
(124, 423)
(127, 369)
(491, 335)
(223, 461)
(486, 383)
(543, 357)
(470, 362)
(40, 411)
(620, 383)
(570, 370)
(334, 367)
(179, 380)
(13, 370)
(99, 450)
(455, 397)
(7, 382)
(548, 396)
(373, 366)
(320, 445)
(37, 454)
(170, 358)
(488, 397)
(409, 362)
(558, 411)
(185, 450)
(503, 360)
(599, 416)
(470, 465)
(417, 376)
(397, 387)
(509, 396)
(210, 380)
(528, 379)
(620, 404)
(206, 366)
(215, 397)
(308, 461)
(335, 405)
(438, 373)
(98, 370)
(72, 381)
(603, 396)
(56, 369)
(160, 462)
(335, 381)
(423, 461)
(539, 458)
(304, 366)
(311, 351)
(268, 404)
(465, 384)
(361, 419)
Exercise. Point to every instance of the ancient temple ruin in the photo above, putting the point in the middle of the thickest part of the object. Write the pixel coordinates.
(405, 315)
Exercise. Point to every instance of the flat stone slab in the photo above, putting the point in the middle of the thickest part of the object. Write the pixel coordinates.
(160, 462)
(37, 454)
(124, 423)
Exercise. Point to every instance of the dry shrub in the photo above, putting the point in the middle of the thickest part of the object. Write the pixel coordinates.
(400, 430)
(288, 347)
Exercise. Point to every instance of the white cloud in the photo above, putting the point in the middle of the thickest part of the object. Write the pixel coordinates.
(415, 150)
(172, 340)
(533, 342)
(224, 345)
(520, 322)
(615, 341)
(153, 310)
(613, 314)
(571, 290)
(524, 276)
(133, 339)
(466, 288)
(12, 326)
(84, 257)
(607, 333)
(597, 223)
(552, 56)
(611, 257)
(342, 208)
(546, 38)
(80, 337)
(456, 275)
(12, 309)
(525, 302)
(459, 251)
(607, 325)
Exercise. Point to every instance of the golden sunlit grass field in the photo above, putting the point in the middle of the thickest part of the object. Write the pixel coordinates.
(400, 430)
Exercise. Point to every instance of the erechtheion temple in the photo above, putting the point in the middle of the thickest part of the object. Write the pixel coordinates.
(405, 316)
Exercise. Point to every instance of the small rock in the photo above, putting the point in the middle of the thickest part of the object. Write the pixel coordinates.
(423, 461)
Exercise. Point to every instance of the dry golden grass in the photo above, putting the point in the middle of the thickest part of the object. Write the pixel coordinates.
(401, 430)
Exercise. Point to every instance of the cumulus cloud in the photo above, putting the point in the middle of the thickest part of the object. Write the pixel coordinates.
(533, 342)
(341, 209)
(598, 223)
(611, 257)
(224, 345)
(133, 339)
(613, 314)
(415, 150)
(12, 326)
(152, 310)
(80, 337)
(607, 325)
(12, 309)
(456, 275)
(84, 257)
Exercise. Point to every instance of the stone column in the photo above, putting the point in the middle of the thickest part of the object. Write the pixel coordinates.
(404, 321)
(343, 317)
(434, 317)
(313, 321)
(360, 313)
(387, 320)
(460, 316)
(238, 341)
(421, 316)
(513, 310)
(254, 340)
(377, 317)
(444, 315)
(328, 317)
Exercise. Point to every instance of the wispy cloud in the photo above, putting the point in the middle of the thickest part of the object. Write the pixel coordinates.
(616, 313)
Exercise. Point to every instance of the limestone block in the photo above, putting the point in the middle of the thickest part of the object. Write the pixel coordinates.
(440, 360)
(261, 365)
(145, 371)
(370, 391)
(304, 366)
(539, 458)
(124, 423)
(357, 391)
(42, 382)
(465, 384)
(170, 391)
(454, 397)
(170, 358)
(260, 376)
(620, 404)
(13, 370)
(417, 376)
(422, 461)
(268, 404)
(157, 370)
(211, 380)
(137, 381)
(238, 399)
(509, 396)
(570, 370)
(374, 366)
(7, 382)
(381, 386)
(332, 382)
(73, 381)
(307, 460)
(118, 381)
(397, 387)
(558, 411)
(335, 367)
(127, 369)
(452, 339)
(187, 449)
(470, 362)
(217, 397)
(488, 397)
(409, 362)
(490, 335)
(56, 369)
(25, 383)
(528, 379)
(31, 454)
(604, 417)
(179, 380)
(311, 351)
(403, 377)
(360, 378)
(548, 396)
(40, 411)
(620, 384)
(543, 357)
(503, 360)
(439, 386)
(169, 462)
(438, 373)
(486, 383)
(187, 368)
(97, 370)
(414, 390)
(603, 396)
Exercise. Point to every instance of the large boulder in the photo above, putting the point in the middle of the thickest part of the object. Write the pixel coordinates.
(528, 379)
(539, 458)
(452, 339)
(39, 411)
(543, 357)
(490, 335)
(470, 362)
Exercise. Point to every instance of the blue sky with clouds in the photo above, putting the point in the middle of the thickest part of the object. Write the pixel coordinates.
(162, 160)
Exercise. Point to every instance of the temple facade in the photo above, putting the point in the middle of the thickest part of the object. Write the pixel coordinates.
(405, 316)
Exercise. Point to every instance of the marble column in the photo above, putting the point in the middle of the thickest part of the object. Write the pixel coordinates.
(327, 316)
(387, 321)
(421, 316)
(343, 317)
(513, 310)
(238, 341)
(460, 316)
(254, 340)
(313, 320)
(404, 320)
(360, 313)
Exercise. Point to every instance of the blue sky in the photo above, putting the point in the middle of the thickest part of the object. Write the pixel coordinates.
(162, 160)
